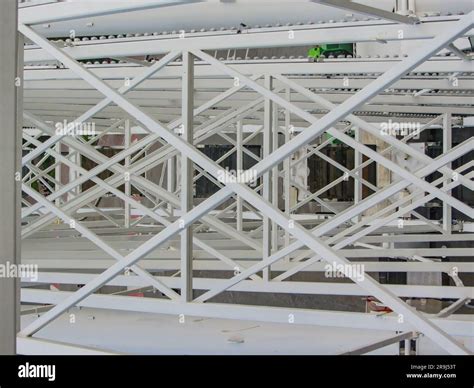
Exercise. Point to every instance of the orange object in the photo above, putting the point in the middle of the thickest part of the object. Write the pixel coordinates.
(375, 305)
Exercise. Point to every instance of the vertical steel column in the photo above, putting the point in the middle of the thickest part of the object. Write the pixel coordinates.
(11, 80)
(287, 166)
(447, 144)
(171, 179)
(240, 169)
(58, 174)
(275, 197)
(267, 188)
(72, 173)
(187, 176)
(407, 347)
(357, 163)
(402, 7)
(128, 186)
(78, 160)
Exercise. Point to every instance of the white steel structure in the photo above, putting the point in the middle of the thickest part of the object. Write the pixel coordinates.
(170, 77)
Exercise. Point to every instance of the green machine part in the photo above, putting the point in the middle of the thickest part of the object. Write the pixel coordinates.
(315, 52)
(331, 49)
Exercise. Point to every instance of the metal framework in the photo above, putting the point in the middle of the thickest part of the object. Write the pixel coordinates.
(189, 97)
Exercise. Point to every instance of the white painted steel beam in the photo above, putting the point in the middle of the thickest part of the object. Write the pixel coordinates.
(290, 287)
(11, 84)
(253, 313)
(372, 31)
(187, 170)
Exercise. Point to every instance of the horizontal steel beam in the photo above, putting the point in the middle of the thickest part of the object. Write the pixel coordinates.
(252, 254)
(371, 31)
(249, 313)
(79, 262)
(290, 287)
(288, 67)
(216, 82)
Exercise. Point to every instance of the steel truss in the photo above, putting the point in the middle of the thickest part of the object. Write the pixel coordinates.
(267, 239)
